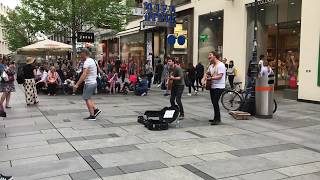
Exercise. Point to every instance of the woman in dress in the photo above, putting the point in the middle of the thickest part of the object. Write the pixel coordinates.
(6, 87)
(30, 89)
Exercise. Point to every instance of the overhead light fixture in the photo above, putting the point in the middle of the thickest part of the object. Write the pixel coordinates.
(219, 18)
(261, 9)
(292, 3)
(294, 31)
(298, 22)
(211, 19)
(276, 24)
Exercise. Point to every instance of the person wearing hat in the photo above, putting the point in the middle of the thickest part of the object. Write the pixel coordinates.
(29, 73)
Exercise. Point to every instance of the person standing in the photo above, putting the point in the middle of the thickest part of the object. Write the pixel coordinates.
(117, 65)
(191, 74)
(6, 87)
(149, 73)
(89, 76)
(176, 74)
(29, 72)
(123, 70)
(217, 73)
(231, 72)
(199, 75)
(158, 73)
(165, 76)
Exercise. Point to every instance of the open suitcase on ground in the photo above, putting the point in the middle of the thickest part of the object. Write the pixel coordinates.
(159, 120)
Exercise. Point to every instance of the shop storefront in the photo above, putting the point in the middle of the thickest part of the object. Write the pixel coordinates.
(110, 49)
(279, 27)
(132, 48)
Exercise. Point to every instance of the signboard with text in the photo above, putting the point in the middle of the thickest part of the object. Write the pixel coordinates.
(159, 15)
(85, 37)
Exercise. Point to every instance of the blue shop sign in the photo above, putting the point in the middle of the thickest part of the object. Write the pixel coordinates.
(159, 15)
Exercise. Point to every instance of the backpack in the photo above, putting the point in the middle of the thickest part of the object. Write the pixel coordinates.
(20, 75)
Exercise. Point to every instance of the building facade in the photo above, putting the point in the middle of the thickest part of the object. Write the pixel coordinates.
(288, 35)
(4, 48)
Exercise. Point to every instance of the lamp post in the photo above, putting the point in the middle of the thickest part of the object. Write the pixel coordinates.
(254, 62)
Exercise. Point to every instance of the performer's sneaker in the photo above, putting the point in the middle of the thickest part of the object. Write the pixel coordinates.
(91, 118)
(97, 112)
(2, 177)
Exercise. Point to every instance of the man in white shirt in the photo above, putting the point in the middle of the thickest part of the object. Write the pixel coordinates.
(217, 73)
(43, 79)
(89, 76)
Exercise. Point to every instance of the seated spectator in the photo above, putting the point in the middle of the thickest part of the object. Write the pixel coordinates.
(142, 86)
(53, 81)
(68, 86)
(42, 83)
(121, 85)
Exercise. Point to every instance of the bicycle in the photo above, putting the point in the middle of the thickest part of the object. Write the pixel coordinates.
(234, 99)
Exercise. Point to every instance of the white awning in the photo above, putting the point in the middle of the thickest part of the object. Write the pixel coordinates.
(128, 32)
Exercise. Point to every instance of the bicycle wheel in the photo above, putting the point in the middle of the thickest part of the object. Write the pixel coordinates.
(231, 100)
(275, 106)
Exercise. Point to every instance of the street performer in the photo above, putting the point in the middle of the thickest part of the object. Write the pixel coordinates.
(216, 75)
(177, 78)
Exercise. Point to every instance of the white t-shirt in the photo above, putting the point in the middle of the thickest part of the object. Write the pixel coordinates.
(265, 71)
(220, 68)
(91, 65)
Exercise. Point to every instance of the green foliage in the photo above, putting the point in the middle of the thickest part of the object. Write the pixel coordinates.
(19, 31)
(61, 17)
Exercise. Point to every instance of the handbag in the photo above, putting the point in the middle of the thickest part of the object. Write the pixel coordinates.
(4, 76)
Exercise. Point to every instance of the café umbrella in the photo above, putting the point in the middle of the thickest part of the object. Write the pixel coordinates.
(45, 47)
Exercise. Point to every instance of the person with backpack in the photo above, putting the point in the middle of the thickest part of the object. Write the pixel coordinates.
(29, 73)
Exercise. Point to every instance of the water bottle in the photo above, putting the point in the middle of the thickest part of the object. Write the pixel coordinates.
(178, 123)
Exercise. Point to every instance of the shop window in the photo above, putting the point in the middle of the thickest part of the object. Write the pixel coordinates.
(278, 39)
(183, 28)
(210, 35)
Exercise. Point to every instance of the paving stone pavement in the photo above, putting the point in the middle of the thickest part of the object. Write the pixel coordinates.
(51, 141)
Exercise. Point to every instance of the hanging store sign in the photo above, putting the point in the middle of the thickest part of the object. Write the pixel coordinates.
(159, 15)
(85, 37)
(261, 2)
(204, 37)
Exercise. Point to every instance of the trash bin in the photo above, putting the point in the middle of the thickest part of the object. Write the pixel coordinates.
(265, 96)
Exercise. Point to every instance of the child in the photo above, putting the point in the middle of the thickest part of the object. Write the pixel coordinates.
(142, 87)
(112, 82)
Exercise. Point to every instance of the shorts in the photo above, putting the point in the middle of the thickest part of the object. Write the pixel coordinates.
(88, 91)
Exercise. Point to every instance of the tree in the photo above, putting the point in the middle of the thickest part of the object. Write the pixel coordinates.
(67, 17)
(19, 30)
